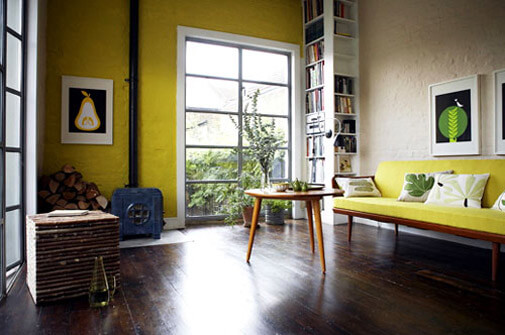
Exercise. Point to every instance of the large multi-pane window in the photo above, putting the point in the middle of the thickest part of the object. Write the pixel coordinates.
(220, 80)
(12, 135)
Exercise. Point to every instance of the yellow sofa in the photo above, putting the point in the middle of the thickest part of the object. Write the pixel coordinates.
(485, 223)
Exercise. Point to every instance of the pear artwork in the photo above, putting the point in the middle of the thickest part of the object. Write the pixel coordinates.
(87, 119)
(453, 122)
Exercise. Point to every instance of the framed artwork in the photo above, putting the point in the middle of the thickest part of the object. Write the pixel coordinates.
(499, 109)
(455, 117)
(345, 164)
(86, 110)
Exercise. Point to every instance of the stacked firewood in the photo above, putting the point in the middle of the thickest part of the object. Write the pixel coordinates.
(66, 189)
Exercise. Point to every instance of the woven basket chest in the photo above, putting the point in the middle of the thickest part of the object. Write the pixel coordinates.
(61, 253)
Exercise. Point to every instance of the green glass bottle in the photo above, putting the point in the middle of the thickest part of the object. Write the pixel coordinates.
(99, 288)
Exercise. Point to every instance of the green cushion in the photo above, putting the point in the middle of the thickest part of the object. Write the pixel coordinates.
(480, 219)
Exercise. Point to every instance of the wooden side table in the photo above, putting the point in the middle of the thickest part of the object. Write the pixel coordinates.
(311, 199)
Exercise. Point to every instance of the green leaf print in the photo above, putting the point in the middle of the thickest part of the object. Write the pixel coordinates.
(361, 183)
(453, 122)
(418, 185)
(454, 193)
(364, 189)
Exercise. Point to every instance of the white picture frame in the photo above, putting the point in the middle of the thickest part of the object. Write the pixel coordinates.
(455, 117)
(499, 110)
(86, 110)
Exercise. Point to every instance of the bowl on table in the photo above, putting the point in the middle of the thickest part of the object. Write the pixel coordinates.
(280, 187)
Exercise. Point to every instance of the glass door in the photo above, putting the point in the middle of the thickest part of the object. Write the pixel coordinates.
(12, 138)
(220, 81)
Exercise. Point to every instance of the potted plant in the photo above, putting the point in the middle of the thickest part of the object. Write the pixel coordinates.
(263, 137)
(239, 205)
(275, 210)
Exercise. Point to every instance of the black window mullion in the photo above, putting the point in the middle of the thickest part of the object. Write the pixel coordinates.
(14, 33)
(15, 92)
(240, 114)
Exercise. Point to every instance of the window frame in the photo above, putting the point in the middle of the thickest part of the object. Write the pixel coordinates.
(239, 113)
(21, 206)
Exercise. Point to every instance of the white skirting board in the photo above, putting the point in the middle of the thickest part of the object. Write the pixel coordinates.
(173, 223)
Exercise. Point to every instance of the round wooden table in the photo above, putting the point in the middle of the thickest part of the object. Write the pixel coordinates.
(311, 199)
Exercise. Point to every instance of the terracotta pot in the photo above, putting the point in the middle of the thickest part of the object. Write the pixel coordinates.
(247, 213)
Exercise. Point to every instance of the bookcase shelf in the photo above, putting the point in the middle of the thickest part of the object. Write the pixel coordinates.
(314, 20)
(343, 19)
(336, 52)
(344, 37)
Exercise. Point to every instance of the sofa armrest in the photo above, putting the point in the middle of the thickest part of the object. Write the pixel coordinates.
(334, 182)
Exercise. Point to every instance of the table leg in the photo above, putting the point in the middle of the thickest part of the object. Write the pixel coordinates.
(319, 231)
(311, 225)
(254, 223)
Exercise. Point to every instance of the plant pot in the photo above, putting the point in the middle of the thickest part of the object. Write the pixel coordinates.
(274, 218)
(247, 213)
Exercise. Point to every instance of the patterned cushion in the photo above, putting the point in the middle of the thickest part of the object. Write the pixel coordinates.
(358, 187)
(458, 190)
(500, 203)
(417, 186)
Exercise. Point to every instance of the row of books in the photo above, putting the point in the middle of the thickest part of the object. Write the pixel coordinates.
(342, 29)
(314, 52)
(341, 10)
(315, 146)
(345, 143)
(314, 31)
(314, 101)
(344, 105)
(316, 171)
(312, 9)
(343, 85)
(315, 75)
(348, 127)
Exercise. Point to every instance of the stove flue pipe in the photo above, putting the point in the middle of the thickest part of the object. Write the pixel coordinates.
(133, 92)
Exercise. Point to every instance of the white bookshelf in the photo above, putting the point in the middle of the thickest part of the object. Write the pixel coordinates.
(340, 35)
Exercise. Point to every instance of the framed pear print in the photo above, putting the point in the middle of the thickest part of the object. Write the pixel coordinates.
(499, 109)
(86, 110)
(454, 117)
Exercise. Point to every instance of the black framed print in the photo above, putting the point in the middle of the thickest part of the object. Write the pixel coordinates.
(455, 117)
(86, 110)
(499, 109)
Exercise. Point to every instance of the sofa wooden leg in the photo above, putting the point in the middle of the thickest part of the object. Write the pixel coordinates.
(396, 229)
(495, 260)
(349, 228)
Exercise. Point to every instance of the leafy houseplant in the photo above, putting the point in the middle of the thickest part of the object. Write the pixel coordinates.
(274, 211)
(263, 137)
(238, 203)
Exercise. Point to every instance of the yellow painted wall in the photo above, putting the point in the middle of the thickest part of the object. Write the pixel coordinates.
(90, 38)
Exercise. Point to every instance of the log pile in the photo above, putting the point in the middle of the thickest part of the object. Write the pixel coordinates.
(61, 253)
(66, 189)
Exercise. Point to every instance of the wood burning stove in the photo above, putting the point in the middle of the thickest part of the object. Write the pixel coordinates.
(140, 211)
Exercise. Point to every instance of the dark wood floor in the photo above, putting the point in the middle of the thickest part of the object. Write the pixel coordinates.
(376, 285)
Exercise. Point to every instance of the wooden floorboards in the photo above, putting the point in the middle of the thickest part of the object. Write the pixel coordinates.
(376, 284)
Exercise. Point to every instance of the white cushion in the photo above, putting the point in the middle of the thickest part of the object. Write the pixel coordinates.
(458, 190)
(417, 186)
(500, 203)
(358, 187)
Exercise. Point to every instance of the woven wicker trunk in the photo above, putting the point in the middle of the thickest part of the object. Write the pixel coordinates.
(61, 253)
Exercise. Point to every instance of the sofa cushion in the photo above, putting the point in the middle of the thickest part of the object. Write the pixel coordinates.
(500, 203)
(358, 187)
(417, 186)
(480, 219)
(458, 190)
